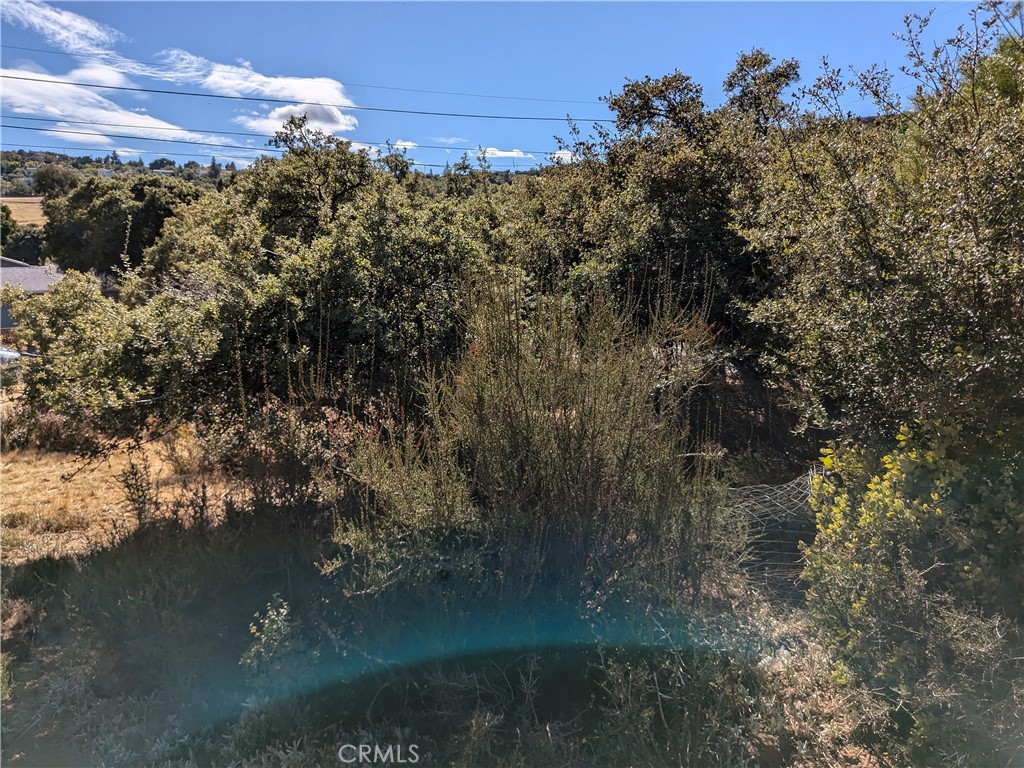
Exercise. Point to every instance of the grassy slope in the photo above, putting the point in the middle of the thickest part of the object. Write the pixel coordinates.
(26, 210)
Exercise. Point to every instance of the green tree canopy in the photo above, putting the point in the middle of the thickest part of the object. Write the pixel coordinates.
(105, 224)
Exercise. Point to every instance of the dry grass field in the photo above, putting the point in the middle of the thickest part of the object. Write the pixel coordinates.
(26, 210)
(60, 504)
(57, 504)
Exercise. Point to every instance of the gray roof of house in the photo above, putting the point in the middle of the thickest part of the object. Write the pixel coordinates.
(30, 279)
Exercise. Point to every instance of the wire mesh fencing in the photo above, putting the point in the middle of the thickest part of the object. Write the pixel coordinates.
(779, 520)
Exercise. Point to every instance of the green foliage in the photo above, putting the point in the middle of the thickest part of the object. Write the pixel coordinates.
(8, 226)
(106, 224)
(756, 85)
(899, 296)
(80, 336)
(15, 187)
(915, 578)
(299, 194)
(25, 244)
(1002, 72)
(105, 365)
(54, 180)
(365, 295)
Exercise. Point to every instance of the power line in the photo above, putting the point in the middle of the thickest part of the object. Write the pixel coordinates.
(63, 150)
(259, 99)
(104, 59)
(140, 138)
(176, 141)
(244, 133)
(136, 125)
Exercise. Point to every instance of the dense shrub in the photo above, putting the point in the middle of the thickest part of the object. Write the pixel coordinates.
(915, 579)
(102, 225)
(553, 465)
(25, 244)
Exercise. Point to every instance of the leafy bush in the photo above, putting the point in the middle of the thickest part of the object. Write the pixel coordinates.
(106, 367)
(900, 291)
(915, 578)
(102, 225)
(279, 657)
(25, 244)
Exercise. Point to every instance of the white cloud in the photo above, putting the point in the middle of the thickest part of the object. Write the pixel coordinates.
(84, 37)
(562, 156)
(238, 81)
(69, 31)
(242, 80)
(449, 140)
(45, 96)
(99, 74)
(80, 136)
(327, 119)
(492, 152)
(405, 145)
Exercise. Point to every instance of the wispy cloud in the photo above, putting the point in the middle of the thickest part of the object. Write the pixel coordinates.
(46, 96)
(89, 138)
(67, 30)
(242, 80)
(84, 37)
(449, 140)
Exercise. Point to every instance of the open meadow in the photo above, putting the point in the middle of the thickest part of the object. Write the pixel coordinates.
(26, 210)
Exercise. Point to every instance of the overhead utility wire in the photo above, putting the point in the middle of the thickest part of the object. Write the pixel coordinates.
(167, 141)
(262, 100)
(245, 133)
(136, 125)
(104, 59)
(180, 154)
(64, 151)
(140, 138)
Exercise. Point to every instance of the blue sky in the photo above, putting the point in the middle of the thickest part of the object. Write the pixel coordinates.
(523, 59)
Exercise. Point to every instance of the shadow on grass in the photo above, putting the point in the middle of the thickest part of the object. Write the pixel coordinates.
(163, 616)
(154, 629)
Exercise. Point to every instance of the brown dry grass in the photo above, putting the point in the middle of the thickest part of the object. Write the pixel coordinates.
(57, 504)
(26, 210)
